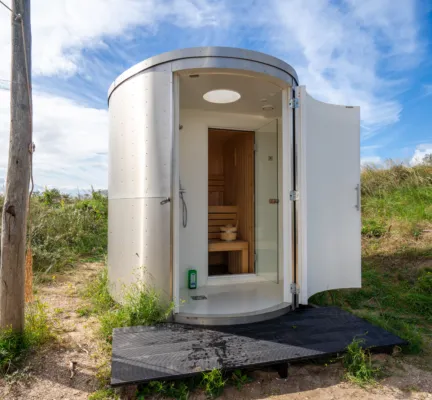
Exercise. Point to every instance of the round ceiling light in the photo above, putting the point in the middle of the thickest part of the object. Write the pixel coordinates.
(221, 96)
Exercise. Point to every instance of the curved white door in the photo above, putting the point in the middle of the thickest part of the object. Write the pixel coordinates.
(329, 226)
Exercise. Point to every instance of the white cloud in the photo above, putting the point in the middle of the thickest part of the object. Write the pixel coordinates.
(62, 29)
(71, 142)
(71, 139)
(371, 160)
(419, 153)
(343, 50)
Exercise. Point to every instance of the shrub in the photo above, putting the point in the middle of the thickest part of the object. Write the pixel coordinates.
(63, 229)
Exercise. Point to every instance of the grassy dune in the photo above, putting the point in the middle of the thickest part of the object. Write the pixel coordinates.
(396, 246)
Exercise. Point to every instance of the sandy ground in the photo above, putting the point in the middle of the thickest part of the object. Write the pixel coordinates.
(48, 373)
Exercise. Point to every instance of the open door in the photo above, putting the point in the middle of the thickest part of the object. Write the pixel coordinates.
(329, 226)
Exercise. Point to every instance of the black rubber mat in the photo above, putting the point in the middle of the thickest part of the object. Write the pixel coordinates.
(171, 351)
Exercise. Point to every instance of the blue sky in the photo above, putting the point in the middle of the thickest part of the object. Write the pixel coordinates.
(355, 52)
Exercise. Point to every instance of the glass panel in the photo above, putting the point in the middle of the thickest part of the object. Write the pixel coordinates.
(266, 202)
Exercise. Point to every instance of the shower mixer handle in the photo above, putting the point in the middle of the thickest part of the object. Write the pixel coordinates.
(164, 201)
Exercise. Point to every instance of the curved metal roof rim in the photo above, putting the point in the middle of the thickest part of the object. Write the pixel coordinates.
(203, 52)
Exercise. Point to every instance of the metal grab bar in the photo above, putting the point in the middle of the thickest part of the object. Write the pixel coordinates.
(357, 188)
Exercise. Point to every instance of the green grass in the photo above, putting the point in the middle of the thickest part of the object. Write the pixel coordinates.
(358, 364)
(142, 305)
(179, 389)
(403, 307)
(104, 394)
(97, 291)
(14, 346)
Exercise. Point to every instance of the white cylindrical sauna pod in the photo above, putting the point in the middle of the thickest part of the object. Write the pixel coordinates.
(142, 113)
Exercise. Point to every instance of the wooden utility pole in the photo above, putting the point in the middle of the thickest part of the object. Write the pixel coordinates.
(14, 218)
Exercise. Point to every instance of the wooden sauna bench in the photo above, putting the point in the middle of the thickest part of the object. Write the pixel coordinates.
(223, 215)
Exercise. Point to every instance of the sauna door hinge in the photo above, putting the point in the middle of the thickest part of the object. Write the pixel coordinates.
(294, 103)
(294, 289)
(255, 258)
(294, 195)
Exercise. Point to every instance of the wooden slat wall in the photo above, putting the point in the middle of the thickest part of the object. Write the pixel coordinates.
(239, 170)
(216, 187)
(219, 216)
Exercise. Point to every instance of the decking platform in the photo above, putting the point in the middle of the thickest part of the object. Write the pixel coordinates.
(172, 351)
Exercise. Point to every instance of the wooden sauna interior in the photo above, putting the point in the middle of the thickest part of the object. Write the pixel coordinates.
(231, 183)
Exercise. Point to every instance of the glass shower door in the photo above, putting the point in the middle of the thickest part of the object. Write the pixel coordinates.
(267, 202)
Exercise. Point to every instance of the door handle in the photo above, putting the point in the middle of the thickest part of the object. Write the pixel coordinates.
(273, 201)
(357, 188)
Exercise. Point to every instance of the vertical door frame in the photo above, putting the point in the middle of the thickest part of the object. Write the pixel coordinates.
(301, 215)
(288, 265)
(289, 262)
(297, 170)
(175, 193)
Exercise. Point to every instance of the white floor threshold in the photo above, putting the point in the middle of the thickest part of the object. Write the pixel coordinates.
(235, 279)
(232, 300)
